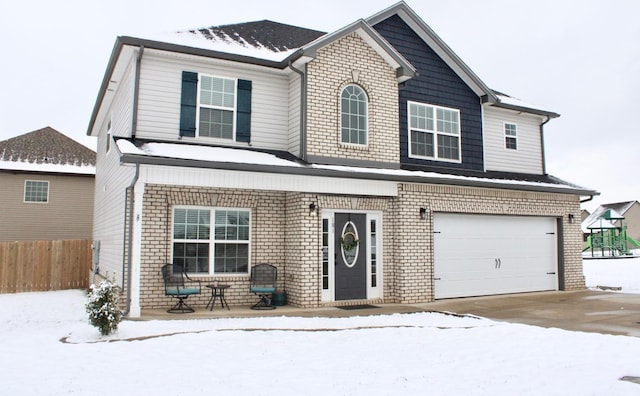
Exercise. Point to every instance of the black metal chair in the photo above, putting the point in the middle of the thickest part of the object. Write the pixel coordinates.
(174, 277)
(263, 283)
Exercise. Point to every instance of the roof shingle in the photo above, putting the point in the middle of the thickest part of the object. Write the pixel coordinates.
(46, 146)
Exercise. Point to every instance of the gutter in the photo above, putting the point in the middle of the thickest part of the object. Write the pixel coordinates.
(130, 191)
(141, 159)
(303, 111)
(544, 160)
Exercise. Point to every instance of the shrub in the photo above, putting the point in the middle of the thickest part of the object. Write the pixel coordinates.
(102, 307)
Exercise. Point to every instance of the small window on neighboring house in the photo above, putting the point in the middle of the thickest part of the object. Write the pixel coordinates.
(434, 132)
(353, 113)
(36, 191)
(510, 136)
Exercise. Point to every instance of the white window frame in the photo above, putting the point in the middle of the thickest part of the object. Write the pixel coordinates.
(434, 132)
(24, 196)
(212, 241)
(508, 136)
(233, 110)
(366, 118)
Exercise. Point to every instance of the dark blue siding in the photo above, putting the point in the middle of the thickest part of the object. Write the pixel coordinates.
(436, 84)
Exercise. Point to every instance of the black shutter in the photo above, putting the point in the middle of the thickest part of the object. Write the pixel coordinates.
(243, 117)
(188, 104)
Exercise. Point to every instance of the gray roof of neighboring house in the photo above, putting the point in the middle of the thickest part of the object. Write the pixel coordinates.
(274, 36)
(618, 207)
(46, 146)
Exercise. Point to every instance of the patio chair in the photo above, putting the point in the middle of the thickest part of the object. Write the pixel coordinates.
(174, 277)
(263, 283)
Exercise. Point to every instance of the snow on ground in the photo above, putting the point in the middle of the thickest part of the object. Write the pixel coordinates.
(49, 348)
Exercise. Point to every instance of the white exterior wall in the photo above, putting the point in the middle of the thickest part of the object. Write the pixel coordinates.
(294, 114)
(160, 91)
(112, 180)
(528, 157)
(264, 181)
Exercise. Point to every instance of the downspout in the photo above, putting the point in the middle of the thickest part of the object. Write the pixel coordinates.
(587, 199)
(303, 111)
(130, 193)
(130, 190)
(136, 93)
(544, 161)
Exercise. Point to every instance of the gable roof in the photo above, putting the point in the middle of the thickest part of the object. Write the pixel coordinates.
(616, 211)
(46, 150)
(430, 37)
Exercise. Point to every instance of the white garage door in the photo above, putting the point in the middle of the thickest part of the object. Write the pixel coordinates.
(477, 255)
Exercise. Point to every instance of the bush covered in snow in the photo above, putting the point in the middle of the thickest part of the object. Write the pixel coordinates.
(102, 307)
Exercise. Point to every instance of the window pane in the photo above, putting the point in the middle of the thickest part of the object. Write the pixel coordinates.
(231, 258)
(193, 256)
(422, 144)
(353, 116)
(448, 147)
(36, 191)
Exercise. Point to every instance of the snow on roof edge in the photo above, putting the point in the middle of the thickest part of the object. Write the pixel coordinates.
(48, 168)
(242, 156)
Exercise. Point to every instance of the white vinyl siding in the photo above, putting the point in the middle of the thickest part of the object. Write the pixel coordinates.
(528, 156)
(160, 91)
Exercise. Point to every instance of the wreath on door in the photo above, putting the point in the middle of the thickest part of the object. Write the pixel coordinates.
(349, 241)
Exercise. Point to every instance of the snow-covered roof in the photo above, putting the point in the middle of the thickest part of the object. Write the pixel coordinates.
(46, 150)
(201, 156)
(265, 39)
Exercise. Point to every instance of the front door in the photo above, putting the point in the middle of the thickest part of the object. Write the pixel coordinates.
(350, 256)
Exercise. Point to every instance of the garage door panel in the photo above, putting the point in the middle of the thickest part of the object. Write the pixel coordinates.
(482, 255)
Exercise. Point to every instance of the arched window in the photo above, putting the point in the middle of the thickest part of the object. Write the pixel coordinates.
(354, 115)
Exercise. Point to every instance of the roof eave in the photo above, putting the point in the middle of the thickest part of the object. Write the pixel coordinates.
(523, 109)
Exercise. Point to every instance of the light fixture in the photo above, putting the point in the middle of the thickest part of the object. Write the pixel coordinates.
(313, 209)
(423, 213)
(571, 218)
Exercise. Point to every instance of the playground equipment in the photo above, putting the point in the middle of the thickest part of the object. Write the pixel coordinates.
(607, 239)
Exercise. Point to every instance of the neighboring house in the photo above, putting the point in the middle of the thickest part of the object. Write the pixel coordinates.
(584, 213)
(630, 210)
(48, 187)
(369, 164)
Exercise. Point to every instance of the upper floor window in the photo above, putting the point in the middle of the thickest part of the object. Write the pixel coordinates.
(510, 136)
(201, 251)
(353, 111)
(434, 132)
(217, 107)
(36, 191)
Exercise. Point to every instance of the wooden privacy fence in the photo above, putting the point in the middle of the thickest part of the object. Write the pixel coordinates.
(44, 265)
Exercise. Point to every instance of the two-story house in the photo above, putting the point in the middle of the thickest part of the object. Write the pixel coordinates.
(47, 189)
(369, 164)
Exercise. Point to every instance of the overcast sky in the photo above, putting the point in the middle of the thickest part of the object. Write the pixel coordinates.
(578, 58)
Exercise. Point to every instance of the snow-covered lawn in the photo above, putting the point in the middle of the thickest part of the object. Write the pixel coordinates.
(48, 348)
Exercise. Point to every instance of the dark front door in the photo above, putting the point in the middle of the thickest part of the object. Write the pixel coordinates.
(351, 256)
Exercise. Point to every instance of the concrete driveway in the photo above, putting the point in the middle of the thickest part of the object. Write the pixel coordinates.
(586, 310)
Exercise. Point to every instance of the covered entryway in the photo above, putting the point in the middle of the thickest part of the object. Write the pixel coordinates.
(476, 255)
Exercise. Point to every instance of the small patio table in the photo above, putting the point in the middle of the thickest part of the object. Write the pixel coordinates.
(217, 292)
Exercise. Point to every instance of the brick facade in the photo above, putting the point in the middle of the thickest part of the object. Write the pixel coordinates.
(286, 234)
(351, 61)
